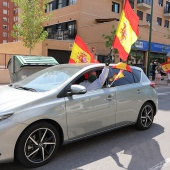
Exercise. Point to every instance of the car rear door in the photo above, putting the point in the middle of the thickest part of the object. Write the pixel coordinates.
(90, 112)
(128, 98)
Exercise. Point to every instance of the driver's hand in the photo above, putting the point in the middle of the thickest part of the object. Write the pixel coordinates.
(107, 61)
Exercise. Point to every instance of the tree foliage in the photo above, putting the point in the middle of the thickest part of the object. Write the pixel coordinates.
(29, 29)
(109, 39)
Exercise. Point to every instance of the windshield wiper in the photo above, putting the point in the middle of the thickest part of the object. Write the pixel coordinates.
(25, 88)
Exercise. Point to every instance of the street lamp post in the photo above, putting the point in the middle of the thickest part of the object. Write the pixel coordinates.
(150, 38)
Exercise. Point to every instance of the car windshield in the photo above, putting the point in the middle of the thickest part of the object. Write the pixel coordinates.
(47, 79)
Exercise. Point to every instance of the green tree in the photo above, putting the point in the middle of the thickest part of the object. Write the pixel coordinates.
(109, 40)
(31, 16)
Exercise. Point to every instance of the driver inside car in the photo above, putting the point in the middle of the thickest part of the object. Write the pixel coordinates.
(93, 82)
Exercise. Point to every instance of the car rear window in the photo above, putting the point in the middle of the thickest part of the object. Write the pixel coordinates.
(137, 75)
(128, 78)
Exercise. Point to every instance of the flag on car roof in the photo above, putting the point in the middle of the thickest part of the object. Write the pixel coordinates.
(127, 31)
(80, 53)
(166, 67)
(122, 66)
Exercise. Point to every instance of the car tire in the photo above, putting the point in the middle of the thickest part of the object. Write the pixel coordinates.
(145, 117)
(37, 144)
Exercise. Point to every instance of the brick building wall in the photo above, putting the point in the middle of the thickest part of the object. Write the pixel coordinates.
(8, 16)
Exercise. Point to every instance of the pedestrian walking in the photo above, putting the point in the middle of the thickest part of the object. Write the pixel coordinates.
(158, 76)
(154, 65)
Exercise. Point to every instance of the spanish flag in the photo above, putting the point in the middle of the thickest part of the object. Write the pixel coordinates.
(122, 66)
(166, 67)
(127, 31)
(80, 53)
(116, 77)
(119, 75)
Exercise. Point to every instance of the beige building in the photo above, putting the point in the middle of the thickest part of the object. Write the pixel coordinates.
(90, 19)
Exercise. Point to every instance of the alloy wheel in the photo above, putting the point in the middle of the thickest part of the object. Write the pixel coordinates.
(40, 145)
(147, 116)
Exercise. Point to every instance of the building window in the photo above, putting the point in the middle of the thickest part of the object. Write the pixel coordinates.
(49, 7)
(4, 26)
(5, 19)
(4, 41)
(140, 14)
(115, 7)
(167, 7)
(131, 3)
(159, 21)
(4, 11)
(148, 17)
(15, 11)
(160, 2)
(5, 4)
(5, 34)
(15, 18)
(71, 2)
(59, 3)
(166, 24)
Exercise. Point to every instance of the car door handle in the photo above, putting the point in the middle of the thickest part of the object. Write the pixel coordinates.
(110, 97)
(138, 91)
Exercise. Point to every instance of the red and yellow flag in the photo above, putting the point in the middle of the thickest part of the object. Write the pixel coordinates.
(127, 31)
(80, 53)
(166, 67)
(123, 66)
(117, 76)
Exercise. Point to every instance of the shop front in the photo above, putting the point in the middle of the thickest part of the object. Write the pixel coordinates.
(139, 54)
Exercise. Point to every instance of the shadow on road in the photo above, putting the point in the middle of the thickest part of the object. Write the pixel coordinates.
(140, 146)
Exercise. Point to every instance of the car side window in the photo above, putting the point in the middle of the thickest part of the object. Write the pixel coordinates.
(127, 79)
(137, 75)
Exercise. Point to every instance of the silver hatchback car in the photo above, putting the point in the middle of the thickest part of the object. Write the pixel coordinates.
(49, 109)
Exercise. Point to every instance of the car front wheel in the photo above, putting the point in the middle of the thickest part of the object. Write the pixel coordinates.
(37, 144)
(145, 117)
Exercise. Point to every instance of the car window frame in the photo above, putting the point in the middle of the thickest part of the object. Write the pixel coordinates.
(63, 92)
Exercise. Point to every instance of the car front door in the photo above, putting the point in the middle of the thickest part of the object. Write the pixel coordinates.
(90, 112)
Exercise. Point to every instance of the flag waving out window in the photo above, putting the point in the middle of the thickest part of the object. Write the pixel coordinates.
(127, 31)
(80, 53)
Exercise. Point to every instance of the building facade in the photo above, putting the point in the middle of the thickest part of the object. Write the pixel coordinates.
(8, 17)
(91, 19)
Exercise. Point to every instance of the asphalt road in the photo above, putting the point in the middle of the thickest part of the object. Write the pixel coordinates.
(126, 148)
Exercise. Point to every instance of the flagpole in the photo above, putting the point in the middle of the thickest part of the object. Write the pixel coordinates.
(150, 37)
(111, 49)
(109, 85)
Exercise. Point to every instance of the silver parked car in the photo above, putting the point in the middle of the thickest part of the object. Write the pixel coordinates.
(50, 108)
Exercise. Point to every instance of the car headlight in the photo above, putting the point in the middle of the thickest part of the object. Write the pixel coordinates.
(4, 116)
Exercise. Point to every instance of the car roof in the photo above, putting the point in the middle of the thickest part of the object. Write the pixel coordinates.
(93, 65)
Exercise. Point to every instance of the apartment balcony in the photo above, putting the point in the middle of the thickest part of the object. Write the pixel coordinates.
(167, 12)
(62, 34)
(144, 4)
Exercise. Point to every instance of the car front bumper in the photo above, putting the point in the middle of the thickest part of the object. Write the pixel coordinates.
(9, 134)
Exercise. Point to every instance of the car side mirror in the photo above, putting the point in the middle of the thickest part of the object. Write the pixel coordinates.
(76, 89)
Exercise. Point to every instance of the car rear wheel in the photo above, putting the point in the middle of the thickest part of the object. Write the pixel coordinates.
(145, 117)
(37, 144)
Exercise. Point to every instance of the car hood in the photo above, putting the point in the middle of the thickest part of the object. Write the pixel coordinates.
(11, 97)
